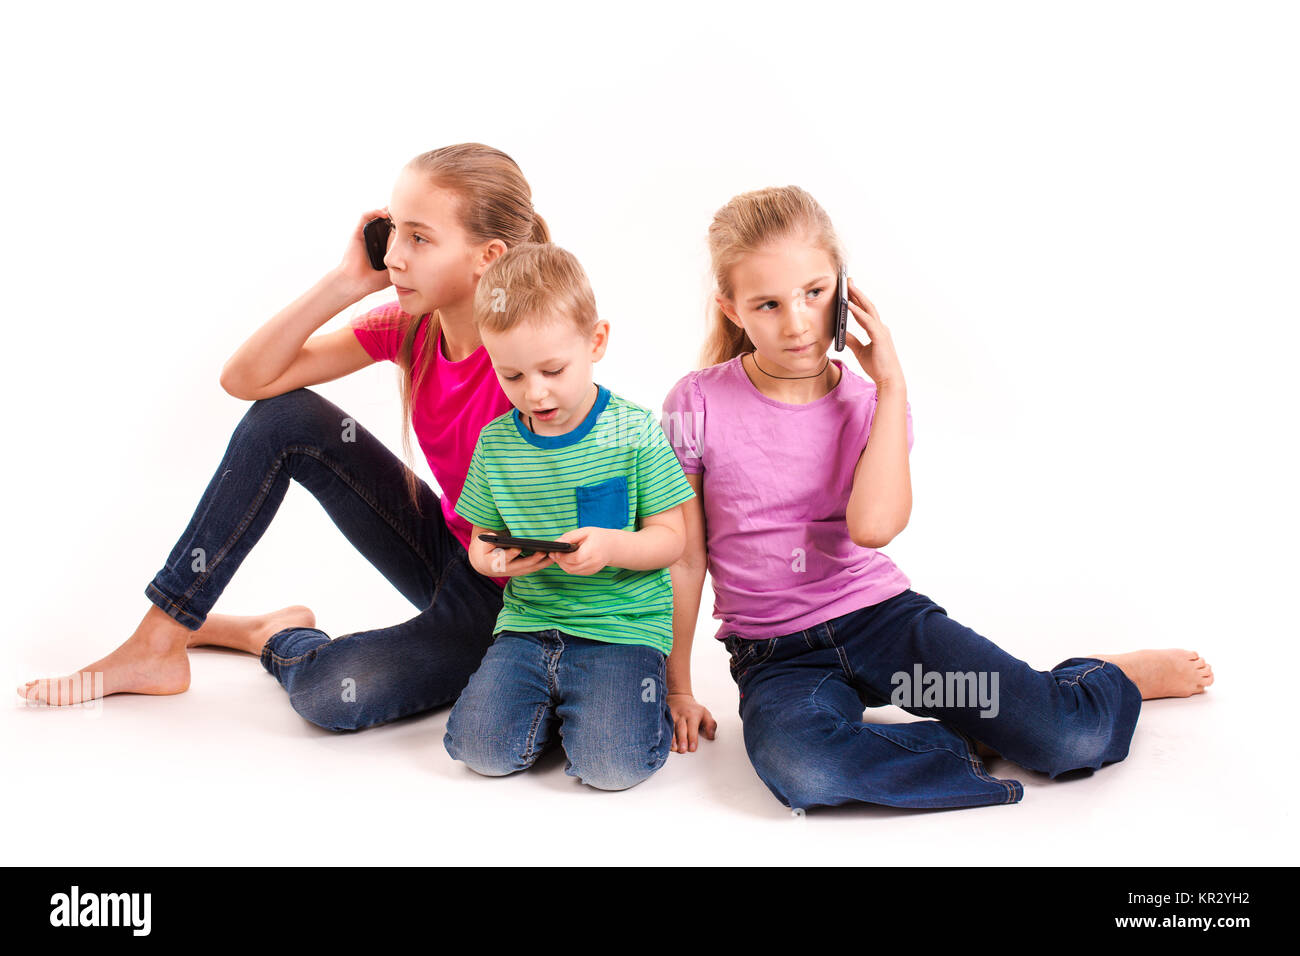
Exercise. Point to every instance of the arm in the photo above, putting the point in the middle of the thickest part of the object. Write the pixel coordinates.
(880, 503)
(656, 544)
(278, 358)
(688, 585)
(690, 717)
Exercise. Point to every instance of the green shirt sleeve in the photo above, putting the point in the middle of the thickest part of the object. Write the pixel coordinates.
(660, 482)
(476, 503)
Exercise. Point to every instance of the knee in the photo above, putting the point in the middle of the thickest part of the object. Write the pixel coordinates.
(1080, 750)
(613, 771)
(484, 755)
(798, 777)
(288, 414)
(327, 711)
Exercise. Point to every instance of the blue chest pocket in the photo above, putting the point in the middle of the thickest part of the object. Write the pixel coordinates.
(603, 505)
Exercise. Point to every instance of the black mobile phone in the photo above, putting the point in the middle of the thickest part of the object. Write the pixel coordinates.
(840, 311)
(376, 234)
(527, 545)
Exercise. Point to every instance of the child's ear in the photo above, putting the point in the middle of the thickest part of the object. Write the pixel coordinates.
(491, 252)
(727, 310)
(599, 340)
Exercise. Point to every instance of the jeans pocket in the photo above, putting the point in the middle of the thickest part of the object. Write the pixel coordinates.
(742, 652)
(604, 504)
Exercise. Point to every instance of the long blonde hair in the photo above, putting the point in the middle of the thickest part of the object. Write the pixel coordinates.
(495, 202)
(744, 225)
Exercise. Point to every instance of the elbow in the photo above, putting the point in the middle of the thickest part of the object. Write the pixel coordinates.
(866, 540)
(231, 386)
(691, 563)
(871, 538)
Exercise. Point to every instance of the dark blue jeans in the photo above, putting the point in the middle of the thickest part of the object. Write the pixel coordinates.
(356, 680)
(802, 697)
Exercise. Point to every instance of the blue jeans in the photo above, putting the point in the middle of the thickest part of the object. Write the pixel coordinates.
(356, 680)
(802, 697)
(608, 701)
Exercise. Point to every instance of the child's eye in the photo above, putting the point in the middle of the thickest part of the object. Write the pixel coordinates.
(764, 306)
(556, 372)
(513, 378)
(418, 238)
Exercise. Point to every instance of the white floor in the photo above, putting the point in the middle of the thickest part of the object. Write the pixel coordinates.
(228, 774)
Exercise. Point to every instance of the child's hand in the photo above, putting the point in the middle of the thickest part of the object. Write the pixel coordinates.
(355, 267)
(505, 562)
(689, 718)
(595, 548)
(877, 358)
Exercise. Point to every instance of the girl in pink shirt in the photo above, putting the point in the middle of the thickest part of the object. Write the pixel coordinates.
(800, 469)
(453, 211)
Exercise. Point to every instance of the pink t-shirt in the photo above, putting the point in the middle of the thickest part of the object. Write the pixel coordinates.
(450, 406)
(777, 479)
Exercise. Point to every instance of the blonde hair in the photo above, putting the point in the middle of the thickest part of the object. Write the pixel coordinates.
(494, 202)
(744, 225)
(534, 282)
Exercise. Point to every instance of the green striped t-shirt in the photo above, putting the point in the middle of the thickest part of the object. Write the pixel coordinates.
(608, 472)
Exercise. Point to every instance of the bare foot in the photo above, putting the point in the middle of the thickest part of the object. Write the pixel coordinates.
(1171, 672)
(249, 633)
(151, 661)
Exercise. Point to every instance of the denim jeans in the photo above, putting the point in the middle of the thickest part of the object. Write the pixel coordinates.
(609, 703)
(356, 680)
(802, 697)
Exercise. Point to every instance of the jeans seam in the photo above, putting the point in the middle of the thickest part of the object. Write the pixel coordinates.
(1065, 683)
(172, 605)
(839, 652)
(552, 662)
(277, 659)
(530, 753)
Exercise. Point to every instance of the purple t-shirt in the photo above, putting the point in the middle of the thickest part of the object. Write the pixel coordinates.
(777, 479)
(450, 406)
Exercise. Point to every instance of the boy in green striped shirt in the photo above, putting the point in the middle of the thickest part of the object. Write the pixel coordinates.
(582, 638)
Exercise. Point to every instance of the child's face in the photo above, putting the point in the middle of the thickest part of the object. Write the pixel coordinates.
(783, 297)
(430, 260)
(545, 370)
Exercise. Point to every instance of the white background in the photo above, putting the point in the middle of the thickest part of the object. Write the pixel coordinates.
(1079, 222)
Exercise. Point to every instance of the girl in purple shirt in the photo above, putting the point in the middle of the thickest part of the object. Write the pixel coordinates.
(792, 503)
(453, 211)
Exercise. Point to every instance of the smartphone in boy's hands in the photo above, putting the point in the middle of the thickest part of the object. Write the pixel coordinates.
(527, 545)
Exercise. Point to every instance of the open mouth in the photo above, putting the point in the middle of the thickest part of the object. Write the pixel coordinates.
(545, 413)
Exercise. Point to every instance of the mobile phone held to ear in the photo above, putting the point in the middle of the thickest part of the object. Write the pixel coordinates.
(840, 311)
(527, 545)
(376, 234)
